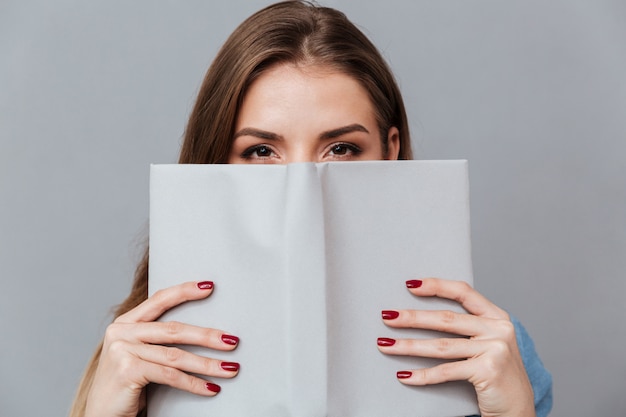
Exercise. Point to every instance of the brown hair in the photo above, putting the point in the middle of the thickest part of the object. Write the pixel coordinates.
(290, 32)
(296, 32)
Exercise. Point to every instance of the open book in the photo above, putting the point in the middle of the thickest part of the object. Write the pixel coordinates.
(304, 258)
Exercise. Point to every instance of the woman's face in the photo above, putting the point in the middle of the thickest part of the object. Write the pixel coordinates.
(307, 114)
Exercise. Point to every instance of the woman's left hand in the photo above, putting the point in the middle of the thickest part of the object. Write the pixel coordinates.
(488, 357)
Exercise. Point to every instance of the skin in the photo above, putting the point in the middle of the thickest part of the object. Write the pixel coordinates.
(133, 355)
(488, 358)
(311, 114)
(307, 114)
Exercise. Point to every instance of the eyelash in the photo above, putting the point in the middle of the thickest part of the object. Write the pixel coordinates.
(355, 150)
(349, 148)
(247, 154)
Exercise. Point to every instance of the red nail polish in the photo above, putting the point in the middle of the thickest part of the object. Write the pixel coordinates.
(213, 387)
(390, 314)
(230, 366)
(403, 374)
(385, 341)
(414, 283)
(205, 285)
(230, 339)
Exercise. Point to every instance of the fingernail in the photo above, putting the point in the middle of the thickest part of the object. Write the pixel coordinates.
(414, 283)
(230, 366)
(213, 387)
(385, 341)
(205, 285)
(404, 374)
(390, 314)
(230, 339)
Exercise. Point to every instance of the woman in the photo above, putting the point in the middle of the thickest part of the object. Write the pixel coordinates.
(296, 82)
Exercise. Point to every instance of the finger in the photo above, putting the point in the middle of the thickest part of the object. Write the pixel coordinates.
(459, 291)
(176, 378)
(446, 372)
(439, 320)
(172, 333)
(444, 348)
(163, 300)
(173, 357)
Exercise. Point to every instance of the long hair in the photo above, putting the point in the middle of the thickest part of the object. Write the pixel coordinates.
(296, 32)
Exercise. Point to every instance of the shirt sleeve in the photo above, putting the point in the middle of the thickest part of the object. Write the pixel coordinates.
(540, 378)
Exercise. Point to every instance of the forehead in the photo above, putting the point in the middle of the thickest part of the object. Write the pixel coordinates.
(305, 93)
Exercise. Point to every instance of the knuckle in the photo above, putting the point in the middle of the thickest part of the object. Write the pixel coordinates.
(463, 289)
(500, 354)
(125, 362)
(505, 315)
(406, 346)
(112, 331)
(173, 329)
(443, 346)
(209, 336)
(410, 316)
(160, 296)
(188, 382)
(448, 317)
(209, 366)
(447, 320)
(506, 329)
(500, 347)
(422, 376)
(171, 375)
(118, 348)
(173, 354)
(490, 366)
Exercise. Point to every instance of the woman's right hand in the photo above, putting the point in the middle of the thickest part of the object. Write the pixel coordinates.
(134, 354)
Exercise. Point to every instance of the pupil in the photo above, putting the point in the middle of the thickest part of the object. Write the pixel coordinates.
(339, 150)
(263, 151)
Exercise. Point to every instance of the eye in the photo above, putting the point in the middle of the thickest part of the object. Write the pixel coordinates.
(344, 149)
(339, 149)
(257, 151)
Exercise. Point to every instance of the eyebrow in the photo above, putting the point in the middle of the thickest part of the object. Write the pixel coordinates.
(329, 134)
(335, 133)
(258, 133)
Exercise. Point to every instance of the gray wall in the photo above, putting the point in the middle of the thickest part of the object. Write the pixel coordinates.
(533, 93)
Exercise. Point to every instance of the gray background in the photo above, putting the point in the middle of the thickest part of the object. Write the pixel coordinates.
(533, 93)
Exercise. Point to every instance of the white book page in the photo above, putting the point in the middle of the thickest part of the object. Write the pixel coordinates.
(235, 225)
(385, 224)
